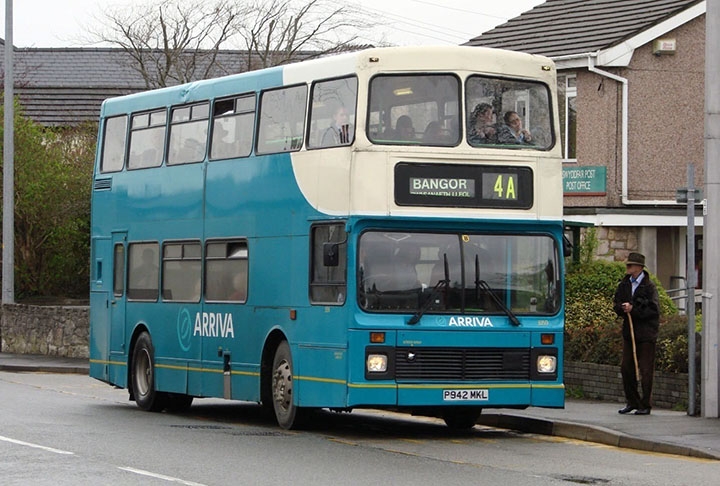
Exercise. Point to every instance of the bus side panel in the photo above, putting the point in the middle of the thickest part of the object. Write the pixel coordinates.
(171, 375)
(171, 353)
(320, 372)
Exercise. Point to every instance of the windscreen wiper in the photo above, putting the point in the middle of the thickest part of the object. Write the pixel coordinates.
(429, 300)
(484, 285)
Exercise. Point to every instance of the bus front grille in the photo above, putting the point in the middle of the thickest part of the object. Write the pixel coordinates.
(465, 364)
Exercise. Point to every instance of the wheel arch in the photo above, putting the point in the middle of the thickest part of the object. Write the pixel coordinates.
(272, 342)
(139, 329)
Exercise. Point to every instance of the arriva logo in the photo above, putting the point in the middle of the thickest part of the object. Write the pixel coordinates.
(459, 321)
(208, 324)
(184, 325)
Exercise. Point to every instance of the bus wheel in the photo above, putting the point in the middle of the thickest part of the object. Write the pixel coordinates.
(462, 418)
(288, 415)
(143, 376)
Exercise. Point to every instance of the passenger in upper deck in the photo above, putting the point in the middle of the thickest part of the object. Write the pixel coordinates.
(481, 126)
(404, 129)
(434, 134)
(513, 131)
(338, 133)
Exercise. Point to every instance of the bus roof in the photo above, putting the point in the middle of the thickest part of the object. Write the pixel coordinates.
(387, 59)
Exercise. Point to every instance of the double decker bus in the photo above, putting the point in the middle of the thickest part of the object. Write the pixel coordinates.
(348, 232)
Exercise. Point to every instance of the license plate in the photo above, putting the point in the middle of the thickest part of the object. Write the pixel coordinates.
(465, 395)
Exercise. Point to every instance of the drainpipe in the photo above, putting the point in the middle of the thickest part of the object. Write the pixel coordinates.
(624, 149)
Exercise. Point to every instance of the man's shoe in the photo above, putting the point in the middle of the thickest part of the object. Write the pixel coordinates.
(642, 411)
(626, 409)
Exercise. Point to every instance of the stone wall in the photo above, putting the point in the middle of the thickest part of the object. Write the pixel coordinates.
(603, 382)
(616, 243)
(49, 330)
(64, 331)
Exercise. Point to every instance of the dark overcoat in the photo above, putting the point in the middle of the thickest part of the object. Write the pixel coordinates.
(645, 312)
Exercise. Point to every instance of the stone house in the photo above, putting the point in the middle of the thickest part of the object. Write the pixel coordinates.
(631, 98)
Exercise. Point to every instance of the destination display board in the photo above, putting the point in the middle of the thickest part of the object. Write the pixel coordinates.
(470, 186)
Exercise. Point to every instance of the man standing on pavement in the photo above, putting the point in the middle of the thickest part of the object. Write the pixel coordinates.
(637, 302)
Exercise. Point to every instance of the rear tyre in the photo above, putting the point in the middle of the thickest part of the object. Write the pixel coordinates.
(178, 403)
(462, 418)
(287, 414)
(143, 376)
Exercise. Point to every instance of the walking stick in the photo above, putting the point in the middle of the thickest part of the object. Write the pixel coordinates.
(632, 337)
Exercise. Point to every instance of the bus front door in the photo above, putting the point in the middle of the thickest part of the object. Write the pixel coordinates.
(118, 346)
(100, 289)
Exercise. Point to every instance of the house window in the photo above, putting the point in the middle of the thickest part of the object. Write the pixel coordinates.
(567, 86)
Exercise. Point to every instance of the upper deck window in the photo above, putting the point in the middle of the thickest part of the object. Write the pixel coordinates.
(332, 116)
(505, 113)
(188, 134)
(282, 120)
(418, 109)
(113, 151)
(147, 138)
(233, 123)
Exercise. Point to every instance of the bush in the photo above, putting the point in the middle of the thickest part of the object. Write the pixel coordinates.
(672, 345)
(53, 181)
(593, 332)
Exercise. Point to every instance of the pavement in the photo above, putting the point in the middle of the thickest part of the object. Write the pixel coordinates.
(663, 431)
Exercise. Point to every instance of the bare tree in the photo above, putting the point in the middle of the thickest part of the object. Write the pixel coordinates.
(177, 41)
(170, 41)
(282, 31)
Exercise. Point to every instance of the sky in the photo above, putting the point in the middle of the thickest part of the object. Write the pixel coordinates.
(61, 23)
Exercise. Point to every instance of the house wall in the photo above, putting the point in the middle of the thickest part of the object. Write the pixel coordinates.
(666, 133)
(598, 135)
(667, 113)
(666, 121)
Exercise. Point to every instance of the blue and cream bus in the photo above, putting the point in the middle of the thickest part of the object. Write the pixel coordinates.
(347, 232)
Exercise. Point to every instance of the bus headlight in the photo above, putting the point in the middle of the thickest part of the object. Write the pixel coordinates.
(546, 363)
(377, 363)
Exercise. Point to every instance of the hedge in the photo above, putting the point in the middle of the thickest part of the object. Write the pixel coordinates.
(593, 332)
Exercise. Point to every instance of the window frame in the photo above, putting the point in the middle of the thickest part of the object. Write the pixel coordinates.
(123, 156)
(183, 257)
(351, 109)
(119, 270)
(148, 126)
(148, 294)
(241, 243)
(296, 140)
(316, 251)
(191, 120)
(237, 114)
(391, 114)
(533, 87)
(569, 125)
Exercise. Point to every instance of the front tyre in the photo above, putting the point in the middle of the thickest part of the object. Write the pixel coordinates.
(461, 418)
(288, 414)
(178, 403)
(143, 376)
